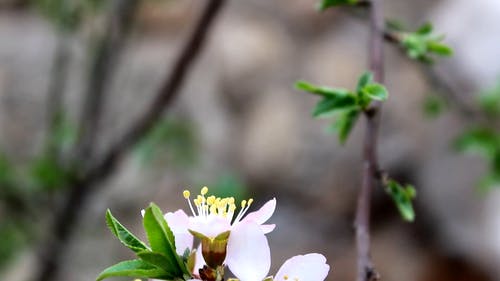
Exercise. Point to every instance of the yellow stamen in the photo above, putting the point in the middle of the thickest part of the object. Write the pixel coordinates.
(186, 194)
(204, 190)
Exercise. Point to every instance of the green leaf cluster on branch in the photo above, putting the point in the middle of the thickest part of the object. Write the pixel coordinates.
(344, 104)
(483, 138)
(422, 45)
(159, 260)
(484, 142)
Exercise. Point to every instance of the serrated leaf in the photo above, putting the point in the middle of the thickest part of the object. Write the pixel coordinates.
(344, 124)
(133, 268)
(124, 235)
(402, 197)
(439, 48)
(325, 4)
(375, 91)
(364, 80)
(332, 104)
(320, 90)
(162, 239)
(425, 29)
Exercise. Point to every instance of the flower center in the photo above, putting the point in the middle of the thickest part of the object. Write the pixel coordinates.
(208, 207)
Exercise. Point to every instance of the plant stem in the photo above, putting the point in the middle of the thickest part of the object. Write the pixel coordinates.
(366, 270)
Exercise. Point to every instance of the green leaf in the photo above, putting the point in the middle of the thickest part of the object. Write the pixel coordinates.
(482, 141)
(124, 235)
(320, 90)
(162, 239)
(325, 4)
(332, 104)
(439, 48)
(47, 173)
(425, 29)
(345, 122)
(433, 106)
(402, 197)
(160, 261)
(133, 268)
(364, 80)
(489, 100)
(375, 91)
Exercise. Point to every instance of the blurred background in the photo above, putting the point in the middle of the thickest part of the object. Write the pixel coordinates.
(239, 127)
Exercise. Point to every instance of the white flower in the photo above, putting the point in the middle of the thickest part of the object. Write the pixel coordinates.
(310, 267)
(250, 259)
(212, 216)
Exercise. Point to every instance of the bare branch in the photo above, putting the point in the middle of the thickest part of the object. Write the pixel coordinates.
(108, 49)
(87, 183)
(366, 270)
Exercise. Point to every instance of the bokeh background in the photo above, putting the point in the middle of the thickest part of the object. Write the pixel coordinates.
(239, 127)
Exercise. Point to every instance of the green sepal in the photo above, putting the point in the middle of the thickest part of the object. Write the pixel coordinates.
(133, 268)
(124, 235)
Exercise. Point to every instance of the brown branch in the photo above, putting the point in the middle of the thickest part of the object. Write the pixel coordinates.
(107, 51)
(366, 270)
(86, 184)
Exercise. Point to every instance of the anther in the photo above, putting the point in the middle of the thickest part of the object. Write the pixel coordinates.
(204, 190)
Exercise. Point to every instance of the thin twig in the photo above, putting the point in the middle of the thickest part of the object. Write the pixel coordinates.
(103, 63)
(55, 95)
(366, 270)
(107, 51)
(86, 184)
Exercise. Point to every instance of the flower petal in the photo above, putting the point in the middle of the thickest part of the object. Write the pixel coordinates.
(248, 255)
(310, 267)
(210, 226)
(178, 223)
(263, 214)
(199, 261)
(266, 228)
